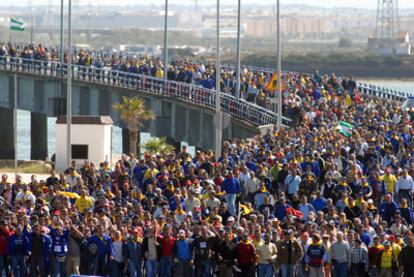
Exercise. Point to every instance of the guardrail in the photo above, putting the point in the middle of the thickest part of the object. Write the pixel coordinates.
(197, 95)
(369, 89)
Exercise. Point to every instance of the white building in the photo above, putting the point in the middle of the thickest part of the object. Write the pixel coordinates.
(91, 139)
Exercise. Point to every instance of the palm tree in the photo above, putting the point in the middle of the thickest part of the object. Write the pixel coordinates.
(158, 146)
(134, 113)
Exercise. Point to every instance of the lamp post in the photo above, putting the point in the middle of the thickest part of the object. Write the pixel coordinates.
(279, 70)
(61, 34)
(238, 51)
(69, 89)
(166, 41)
(219, 118)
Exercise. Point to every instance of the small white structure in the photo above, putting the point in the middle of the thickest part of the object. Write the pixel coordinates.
(91, 139)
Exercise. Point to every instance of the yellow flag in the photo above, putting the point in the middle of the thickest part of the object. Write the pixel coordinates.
(272, 84)
(71, 195)
(245, 210)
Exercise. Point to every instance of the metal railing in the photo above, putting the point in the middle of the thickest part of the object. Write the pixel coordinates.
(369, 89)
(197, 95)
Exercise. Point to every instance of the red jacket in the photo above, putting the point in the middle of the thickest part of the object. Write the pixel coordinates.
(245, 253)
(4, 237)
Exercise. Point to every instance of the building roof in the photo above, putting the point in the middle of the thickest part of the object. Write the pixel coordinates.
(87, 120)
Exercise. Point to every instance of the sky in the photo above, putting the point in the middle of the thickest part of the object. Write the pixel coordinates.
(323, 3)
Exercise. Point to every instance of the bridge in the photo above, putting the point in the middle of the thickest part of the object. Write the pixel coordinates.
(184, 112)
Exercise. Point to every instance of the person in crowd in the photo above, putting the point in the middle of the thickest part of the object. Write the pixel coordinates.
(246, 256)
(340, 255)
(351, 187)
(289, 253)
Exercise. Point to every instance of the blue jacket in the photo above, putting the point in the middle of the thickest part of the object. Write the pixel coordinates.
(103, 246)
(46, 244)
(133, 250)
(59, 243)
(280, 211)
(14, 240)
(231, 186)
(387, 211)
(184, 250)
(319, 203)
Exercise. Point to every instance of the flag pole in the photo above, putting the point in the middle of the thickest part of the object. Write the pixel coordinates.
(15, 124)
(279, 71)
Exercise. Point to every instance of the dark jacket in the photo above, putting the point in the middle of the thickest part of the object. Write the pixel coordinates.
(158, 247)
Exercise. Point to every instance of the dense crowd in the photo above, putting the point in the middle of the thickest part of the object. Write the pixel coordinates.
(310, 200)
(255, 85)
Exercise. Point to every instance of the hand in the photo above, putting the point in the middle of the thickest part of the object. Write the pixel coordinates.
(220, 258)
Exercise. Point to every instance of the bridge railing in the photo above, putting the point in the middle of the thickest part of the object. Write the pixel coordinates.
(369, 89)
(197, 95)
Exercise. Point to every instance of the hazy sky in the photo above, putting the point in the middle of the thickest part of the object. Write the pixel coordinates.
(324, 3)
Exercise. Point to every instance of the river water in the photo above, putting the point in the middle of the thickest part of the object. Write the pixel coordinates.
(23, 124)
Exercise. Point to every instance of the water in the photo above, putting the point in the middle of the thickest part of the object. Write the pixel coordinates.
(23, 123)
(23, 136)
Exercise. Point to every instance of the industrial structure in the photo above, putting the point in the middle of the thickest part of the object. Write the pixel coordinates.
(388, 38)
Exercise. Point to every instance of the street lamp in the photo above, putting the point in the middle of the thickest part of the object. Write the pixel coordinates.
(69, 89)
(279, 70)
(166, 40)
(219, 118)
(238, 51)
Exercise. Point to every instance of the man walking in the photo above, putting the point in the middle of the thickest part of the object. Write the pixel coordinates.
(289, 253)
(267, 255)
(340, 256)
(406, 258)
(315, 257)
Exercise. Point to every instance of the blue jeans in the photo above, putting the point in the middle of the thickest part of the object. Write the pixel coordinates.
(59, 266)
(134, 268)
(340, 269)
(265, 270)
(4, 267)
(166, 267)
(18, 265)
(116, 269)
(204, 270)
(231, 201)
(152, 268)
(287, 270)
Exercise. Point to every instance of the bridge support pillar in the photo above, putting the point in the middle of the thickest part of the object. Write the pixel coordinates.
(126, 148)
(173, 111)
(38, 136)
(187, 125)
(201, 133)
(7, 135)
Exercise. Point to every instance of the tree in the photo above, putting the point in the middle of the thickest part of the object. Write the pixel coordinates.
(345, 42)
(134, 113)
(158, 146)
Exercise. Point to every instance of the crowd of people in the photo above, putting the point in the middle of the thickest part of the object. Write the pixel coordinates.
(254, 83)
(311, 200)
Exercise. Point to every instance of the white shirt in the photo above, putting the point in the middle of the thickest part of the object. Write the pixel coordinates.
(118, 255)
(293, 183)
(404, 182)
(251, 185)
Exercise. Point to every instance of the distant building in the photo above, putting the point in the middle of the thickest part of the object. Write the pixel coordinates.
(400, 45)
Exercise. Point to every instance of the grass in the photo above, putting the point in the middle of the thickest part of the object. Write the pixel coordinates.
(34, 168)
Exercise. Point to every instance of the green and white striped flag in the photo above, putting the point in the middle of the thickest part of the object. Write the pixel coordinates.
(16, 25)
(345, 129)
